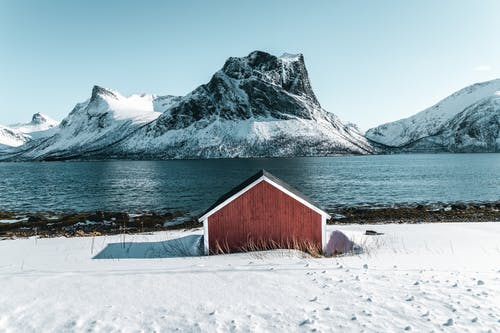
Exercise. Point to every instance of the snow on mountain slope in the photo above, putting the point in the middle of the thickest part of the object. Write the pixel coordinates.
(476, 129)
(10, 137)
(39, 122)
(478, 126)
(105, 118)
(18, 134)
(259, 105)
(429, 125)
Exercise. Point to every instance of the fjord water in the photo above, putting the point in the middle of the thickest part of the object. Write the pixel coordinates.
(192, 185)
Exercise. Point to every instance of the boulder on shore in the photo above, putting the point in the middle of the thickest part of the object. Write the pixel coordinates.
(338, 243)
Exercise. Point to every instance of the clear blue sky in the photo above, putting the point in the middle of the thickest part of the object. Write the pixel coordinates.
(369, 61)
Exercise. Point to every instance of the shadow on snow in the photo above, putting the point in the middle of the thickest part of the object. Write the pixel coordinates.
(187, 246)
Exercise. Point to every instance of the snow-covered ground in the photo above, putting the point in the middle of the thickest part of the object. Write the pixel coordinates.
(426, 277)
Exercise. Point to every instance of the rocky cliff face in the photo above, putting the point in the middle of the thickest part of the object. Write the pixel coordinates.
(259, 105)
(466, 121)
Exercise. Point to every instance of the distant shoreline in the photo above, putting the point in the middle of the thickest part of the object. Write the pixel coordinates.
(96, 223)
(453, 212)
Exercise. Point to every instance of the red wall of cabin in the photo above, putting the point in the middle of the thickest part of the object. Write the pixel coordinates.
(263, 214)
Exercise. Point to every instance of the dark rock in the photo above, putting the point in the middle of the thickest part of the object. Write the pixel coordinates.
(459, 206)
(338, 243)
(35, 218)
(372, 233)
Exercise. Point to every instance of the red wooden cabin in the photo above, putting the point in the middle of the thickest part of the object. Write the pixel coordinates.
(263, 212)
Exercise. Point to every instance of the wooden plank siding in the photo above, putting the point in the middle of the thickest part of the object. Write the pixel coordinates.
(266, 217)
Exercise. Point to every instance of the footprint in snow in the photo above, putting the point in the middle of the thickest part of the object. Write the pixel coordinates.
(411, 298)
(314, 299)
(474, 320)
(426, 314)
(306, 322)
(365, 266)
(449, 322)
(480, 282)
(367, 313)
(408, 328)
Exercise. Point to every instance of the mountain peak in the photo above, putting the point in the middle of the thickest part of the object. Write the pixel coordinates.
(40, 118)
(258, 105)
(288, 71)
(98, 91)
(292, 56)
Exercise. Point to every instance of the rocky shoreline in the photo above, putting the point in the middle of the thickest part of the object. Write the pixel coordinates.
(71, 224)
(51, 224)
(436, 213)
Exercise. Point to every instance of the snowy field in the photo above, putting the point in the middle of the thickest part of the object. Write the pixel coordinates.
(423, 278)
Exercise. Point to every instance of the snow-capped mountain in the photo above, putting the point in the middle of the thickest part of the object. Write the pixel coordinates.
(259, 105)
(99, 122)
(39, 122)
(10, 137)
(468, 120)
(18, 134)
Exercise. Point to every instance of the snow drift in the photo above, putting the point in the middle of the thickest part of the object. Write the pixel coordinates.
(425, 276)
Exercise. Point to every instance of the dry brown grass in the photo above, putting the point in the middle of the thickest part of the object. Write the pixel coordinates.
(261, 244)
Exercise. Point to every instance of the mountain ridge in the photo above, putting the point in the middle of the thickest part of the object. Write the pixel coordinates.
(446, 126)
(259, 105)
(254, 106)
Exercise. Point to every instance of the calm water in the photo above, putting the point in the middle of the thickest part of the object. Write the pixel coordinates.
(193, 185)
